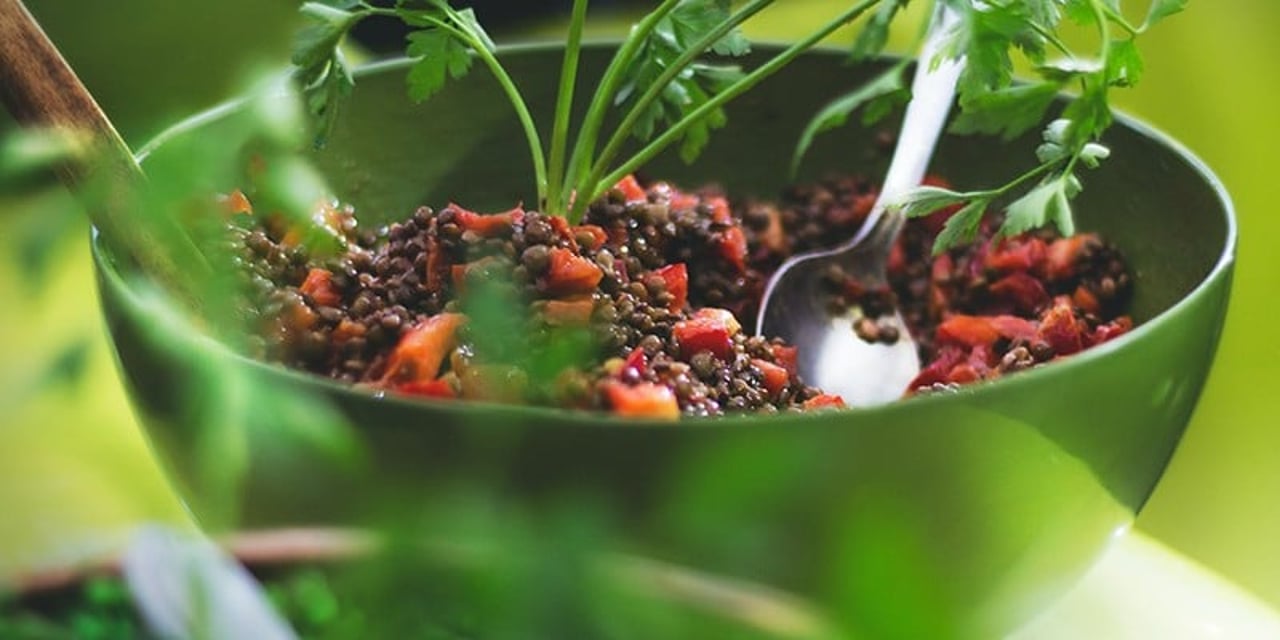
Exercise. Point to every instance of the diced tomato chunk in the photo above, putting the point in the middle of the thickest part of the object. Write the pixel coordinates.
(571, 273)
(1060, 327)
(1025, 292)
(635, 364)
(733, 247)
(320, 288)
(1063, 254)
(631, 189)
(787, 357)
(676, 277)
(644, 400)
(720, 212)
(236, 202)
(937, 371)
(487, 225)
(709, 330)
(775, 377)
(597, 234)
(428, 388)
(1082, 297)
(973, 331)
(823, 401)
(1111, 330)
(1016, 255)
(423, 349)
(569, 312)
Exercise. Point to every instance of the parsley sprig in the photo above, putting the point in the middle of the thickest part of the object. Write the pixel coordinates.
(667, 78)
(990, 34)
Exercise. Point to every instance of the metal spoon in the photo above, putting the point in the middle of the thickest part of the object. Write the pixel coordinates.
(831, 356)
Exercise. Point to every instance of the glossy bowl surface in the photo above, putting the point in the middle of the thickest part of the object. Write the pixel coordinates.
(966, 511)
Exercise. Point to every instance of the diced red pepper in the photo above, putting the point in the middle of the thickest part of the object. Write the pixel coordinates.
(631, 189)
(708, 330)
(720, 212)
(937, 371)
(487, 226)
(598, 235)
(972, 331)
(423, 348)
(963, 374)
(940, 270)
(775, 377)
(644, 400)
(635, 364)
(681, 201)
(571, 273)
(1111, 330)
(1063, 254)
(458, 275)
(676, 277)
(320, 288)
(428, 388)
(823, 401)
(1060, 327)
(1025, 292)
(733, 247)
(569, 312)
(562, 229)
(236, 202)
(1082, 297)
(787, 356)
(436, 264)
(1016, 255)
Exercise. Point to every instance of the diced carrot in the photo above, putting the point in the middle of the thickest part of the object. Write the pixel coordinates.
(320, 288)
(571, 273)
(486, 226)
(569, 312)
(676, 277)
(823, 401)
(644, 400)
(428, 388)
(775, 376)
(631, 189)
(598, 235)
(423, 349)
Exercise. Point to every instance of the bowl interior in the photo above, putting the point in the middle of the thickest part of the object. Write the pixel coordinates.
(976, 506)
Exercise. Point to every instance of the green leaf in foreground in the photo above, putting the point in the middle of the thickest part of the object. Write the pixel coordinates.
(1006, 112)
(1161, 9)
(1047, 203)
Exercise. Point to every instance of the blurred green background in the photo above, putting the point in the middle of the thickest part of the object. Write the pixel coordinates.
(74, 471)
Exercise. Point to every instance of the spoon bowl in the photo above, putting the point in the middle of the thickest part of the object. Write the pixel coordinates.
(831, 354)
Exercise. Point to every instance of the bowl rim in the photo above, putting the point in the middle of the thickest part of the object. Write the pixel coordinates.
(570, 418)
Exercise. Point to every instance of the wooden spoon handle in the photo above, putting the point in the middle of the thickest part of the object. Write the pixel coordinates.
(40, 89)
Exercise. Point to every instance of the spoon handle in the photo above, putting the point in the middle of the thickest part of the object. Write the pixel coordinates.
(39, 88)
(932, 90)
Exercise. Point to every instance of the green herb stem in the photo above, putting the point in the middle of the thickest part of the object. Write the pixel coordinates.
(655, 90)
(589, 133)
(594, 181)
(564, 108)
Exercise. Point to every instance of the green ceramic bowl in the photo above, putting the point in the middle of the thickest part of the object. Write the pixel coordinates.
(951, 514)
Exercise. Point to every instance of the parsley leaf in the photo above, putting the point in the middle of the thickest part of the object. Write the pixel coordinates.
(962, 226)
(437, 54)
(1006, 112)
(873, 37)
(688, 23)
(1161, 9)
